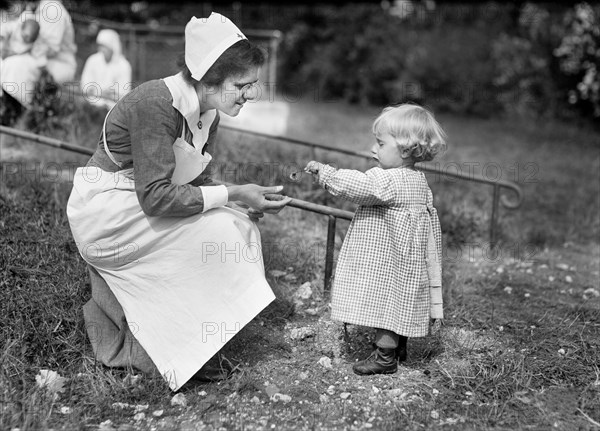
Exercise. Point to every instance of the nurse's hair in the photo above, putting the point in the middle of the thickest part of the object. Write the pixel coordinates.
(414, 128)
(238, 59)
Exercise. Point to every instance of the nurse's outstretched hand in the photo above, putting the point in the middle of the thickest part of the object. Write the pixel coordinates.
(263, 199)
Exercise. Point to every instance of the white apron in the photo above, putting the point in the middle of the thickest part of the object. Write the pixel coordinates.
(187, 285)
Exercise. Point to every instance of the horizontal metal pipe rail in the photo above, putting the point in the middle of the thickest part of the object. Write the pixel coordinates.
(497, 185)
(56, 143)
(332, 213)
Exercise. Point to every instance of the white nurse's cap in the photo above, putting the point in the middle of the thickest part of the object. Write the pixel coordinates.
(206, 39)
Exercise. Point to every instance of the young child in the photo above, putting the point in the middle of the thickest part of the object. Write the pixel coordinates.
(388, 274)
(30, 30)
(21, 39)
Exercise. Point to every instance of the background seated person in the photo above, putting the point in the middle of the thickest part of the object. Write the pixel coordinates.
(20, 40)
(106, 75)
(53, 50)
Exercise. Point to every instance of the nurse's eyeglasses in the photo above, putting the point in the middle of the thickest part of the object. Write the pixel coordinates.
(243, 89)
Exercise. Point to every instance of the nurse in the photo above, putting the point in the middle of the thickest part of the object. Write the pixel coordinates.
(106, 75)
(54, 49)
(175, 274)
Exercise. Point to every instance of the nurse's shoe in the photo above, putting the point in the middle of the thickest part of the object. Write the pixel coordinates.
(381, 361)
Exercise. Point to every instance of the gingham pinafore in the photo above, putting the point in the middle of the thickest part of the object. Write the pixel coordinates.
(381, 279)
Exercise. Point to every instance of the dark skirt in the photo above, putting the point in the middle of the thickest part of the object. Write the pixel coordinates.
(112, 340)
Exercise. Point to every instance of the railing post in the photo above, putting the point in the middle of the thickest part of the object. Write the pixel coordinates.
(329, 253)
(273, 47)
(494, 218)
(313, 156)
(133, 57)
(313, 152)
(142, 49)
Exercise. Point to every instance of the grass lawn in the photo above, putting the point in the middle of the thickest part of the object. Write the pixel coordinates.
(520, 343)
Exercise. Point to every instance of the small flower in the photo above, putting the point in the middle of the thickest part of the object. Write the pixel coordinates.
(50, 380)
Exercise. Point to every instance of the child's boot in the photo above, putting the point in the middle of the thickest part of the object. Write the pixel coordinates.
(381, 361)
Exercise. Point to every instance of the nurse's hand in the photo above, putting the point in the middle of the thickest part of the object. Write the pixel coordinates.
(252, 214)
(255, 215)
(261, 199)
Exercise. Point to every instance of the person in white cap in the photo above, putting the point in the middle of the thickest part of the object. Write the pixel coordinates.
(174, 272)
(106, 75)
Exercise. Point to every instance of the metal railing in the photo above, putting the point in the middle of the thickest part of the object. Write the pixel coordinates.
(497, 185)
(331, 213)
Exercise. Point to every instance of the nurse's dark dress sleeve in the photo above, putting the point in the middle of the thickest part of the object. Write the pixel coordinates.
(152, 124)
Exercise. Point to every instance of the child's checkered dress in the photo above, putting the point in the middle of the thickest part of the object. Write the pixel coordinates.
(381, 277)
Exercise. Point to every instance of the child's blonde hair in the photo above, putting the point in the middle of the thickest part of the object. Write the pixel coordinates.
(412, 127)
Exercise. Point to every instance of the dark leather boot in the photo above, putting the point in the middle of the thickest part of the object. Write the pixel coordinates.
(401, 353)
(401, 349)
(381, 361)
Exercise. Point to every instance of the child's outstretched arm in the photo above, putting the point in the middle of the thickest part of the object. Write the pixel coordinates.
(373, 187)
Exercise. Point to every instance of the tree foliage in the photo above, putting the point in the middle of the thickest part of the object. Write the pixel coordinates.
(528, 59)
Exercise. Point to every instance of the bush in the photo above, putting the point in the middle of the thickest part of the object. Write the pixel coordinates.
(484, 59)
(579, 54)
(366, 55)
(526, 76)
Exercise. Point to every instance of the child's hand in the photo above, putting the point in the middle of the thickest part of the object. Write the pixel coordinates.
(313, 167)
